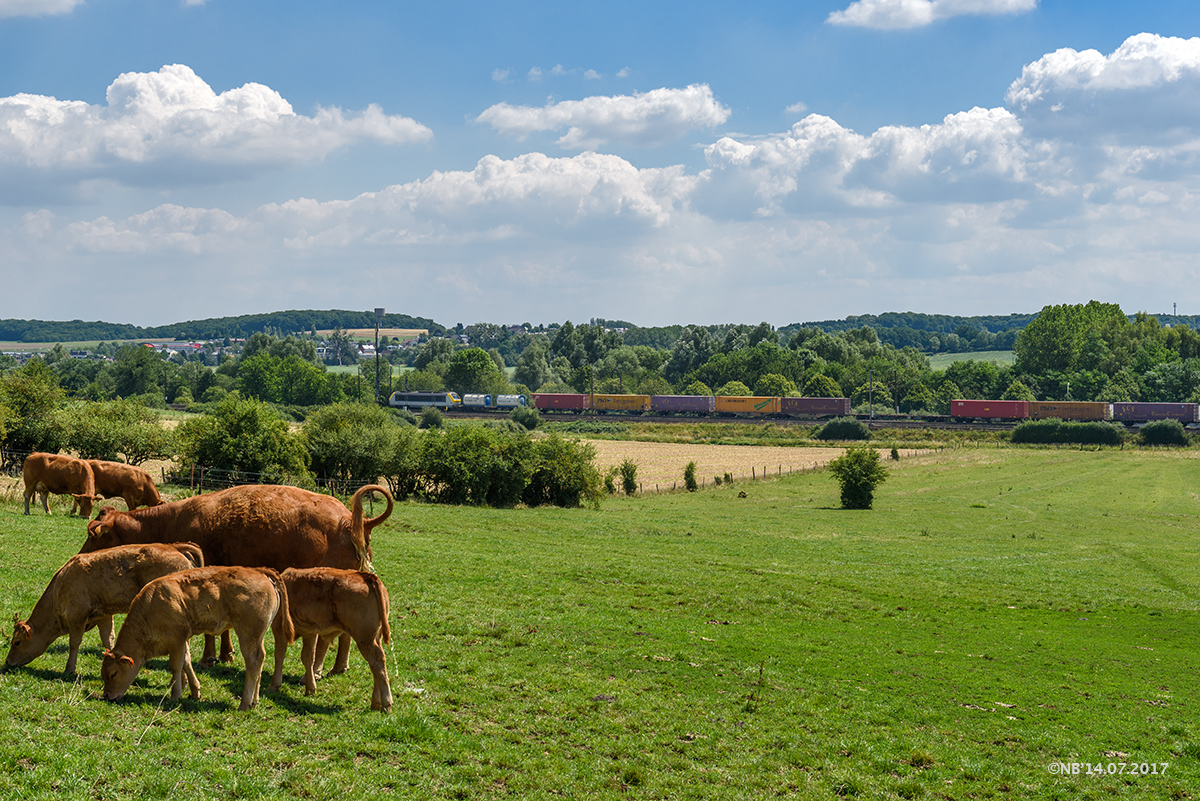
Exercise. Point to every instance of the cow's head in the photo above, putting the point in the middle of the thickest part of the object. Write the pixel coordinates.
(21, 636)
(100, 531)
(118, 672)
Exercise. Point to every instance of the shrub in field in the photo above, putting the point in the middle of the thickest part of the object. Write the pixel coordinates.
(526, 416)
(110, 430)
(689, 477)
(432, 417)
(1163, 432)
(562, 473)
(1054, 431)
(34, 401)
(350, 442)
(696, 388)
(629, 476)
(858, 472)
(402, 464)
(475, 465)
(610, 481)
(246, 438)
(844, 428)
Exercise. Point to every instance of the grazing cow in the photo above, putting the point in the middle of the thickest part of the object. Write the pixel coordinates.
(256, 526)
(132, 484)
(326, 601)
(88, 590)
(46, 473)
(170, 610)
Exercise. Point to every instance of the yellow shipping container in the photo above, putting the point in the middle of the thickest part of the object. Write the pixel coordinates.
(746, 404)
(621, 403)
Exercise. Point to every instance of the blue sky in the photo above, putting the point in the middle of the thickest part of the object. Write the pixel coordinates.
(537, 162)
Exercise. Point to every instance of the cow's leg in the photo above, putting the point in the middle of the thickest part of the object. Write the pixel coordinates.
(190, 672)
(280, 655)
(381, 694)
(210, 650)
(308, 657)
(105, 627)
(28, 495)
(343, 655)
(321, 648)
(178, 655)
(75, 639)
(45, 500)
(254, 652)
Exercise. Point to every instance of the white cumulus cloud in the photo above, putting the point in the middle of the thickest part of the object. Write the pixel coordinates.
(36, 8)
(170, 125)
(899, 14)
(1147, 90)
(649, 118)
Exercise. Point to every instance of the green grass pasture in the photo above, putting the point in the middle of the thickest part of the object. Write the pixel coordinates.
(1001, 358)
(997, 613)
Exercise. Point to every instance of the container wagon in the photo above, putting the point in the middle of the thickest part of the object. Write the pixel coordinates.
(621, 403)
(746, 404)
(420, 400)
(477, 401)
(815, 407)
(989, 409)
(561, 401)
(509, 401)
(1071, 410)
(1146, 412)
(683, 404)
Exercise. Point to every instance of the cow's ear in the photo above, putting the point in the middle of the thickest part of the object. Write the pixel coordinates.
(124, 658)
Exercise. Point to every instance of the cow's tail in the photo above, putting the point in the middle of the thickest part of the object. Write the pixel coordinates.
(380, 593)
(282, 626)
(192, 551)
(361, 527)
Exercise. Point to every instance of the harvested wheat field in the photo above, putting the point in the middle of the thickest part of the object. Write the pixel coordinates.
(660, 465)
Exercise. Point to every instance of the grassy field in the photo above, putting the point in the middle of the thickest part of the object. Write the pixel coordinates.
(940, 361)
(998, 612)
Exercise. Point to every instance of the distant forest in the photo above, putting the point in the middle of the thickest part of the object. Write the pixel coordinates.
(929, 333)
(286, 322)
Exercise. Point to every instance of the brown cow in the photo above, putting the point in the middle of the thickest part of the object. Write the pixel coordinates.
(132, 484)
(256, 526)
(88, 590)
(170, 610)
(46, 473)
(325, 602)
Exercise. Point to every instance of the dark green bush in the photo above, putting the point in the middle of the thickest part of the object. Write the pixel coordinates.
(526, 416)
(858, 472)
(432, 417)
(843, 428)
(1163, 432)
(475, 465)
(1054, 431)
(689, 477)
(350, 443)
(562, 473)
(629, 476)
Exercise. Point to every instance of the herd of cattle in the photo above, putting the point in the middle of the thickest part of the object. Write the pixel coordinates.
(246, 559)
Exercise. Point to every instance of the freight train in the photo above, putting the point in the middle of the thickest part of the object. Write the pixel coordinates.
(632, 404)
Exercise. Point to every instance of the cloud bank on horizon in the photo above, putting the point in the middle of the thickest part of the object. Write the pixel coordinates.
(1081, 183)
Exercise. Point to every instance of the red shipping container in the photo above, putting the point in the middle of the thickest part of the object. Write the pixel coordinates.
(561, 400)
(990, 409)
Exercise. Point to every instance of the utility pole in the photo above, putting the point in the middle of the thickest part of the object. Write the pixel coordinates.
(378, 320)
(871, 393)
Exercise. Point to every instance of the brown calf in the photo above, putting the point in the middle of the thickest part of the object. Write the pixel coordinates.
(125, 481)
(88, 590)
(325, 602)
(170, 610)
(46, 473)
